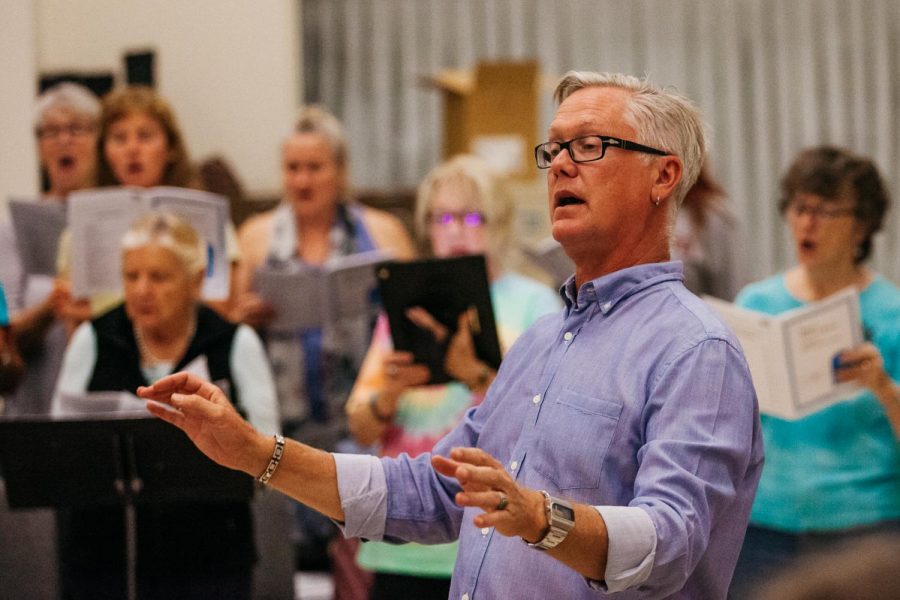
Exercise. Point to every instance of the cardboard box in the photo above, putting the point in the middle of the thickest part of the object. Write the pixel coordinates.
(492, 111)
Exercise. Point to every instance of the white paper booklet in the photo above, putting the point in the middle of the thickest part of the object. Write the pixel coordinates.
(550, 256)
(38, 226)
(99, 405)
(791, 355)
(305, 296)
(99, 218)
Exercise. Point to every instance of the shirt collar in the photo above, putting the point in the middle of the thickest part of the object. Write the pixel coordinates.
(608, 290)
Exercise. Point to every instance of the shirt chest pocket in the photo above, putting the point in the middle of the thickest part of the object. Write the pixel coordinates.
(574, 433)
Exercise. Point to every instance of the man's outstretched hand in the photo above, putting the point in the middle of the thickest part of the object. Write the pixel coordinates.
(510, 508)
(206, 415)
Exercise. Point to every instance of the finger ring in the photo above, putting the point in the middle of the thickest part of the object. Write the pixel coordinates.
(392, 370)
(503, 502)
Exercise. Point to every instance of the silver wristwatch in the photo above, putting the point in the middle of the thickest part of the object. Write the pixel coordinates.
(561, 519)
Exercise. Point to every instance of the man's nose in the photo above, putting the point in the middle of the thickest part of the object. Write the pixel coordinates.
(562, 163)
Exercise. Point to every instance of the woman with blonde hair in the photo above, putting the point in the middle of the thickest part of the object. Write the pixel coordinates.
(461, 209)
(317, 221)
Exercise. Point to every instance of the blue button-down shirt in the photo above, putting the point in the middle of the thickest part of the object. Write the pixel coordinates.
(635, 395)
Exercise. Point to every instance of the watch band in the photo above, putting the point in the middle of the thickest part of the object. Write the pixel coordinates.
(560, 519)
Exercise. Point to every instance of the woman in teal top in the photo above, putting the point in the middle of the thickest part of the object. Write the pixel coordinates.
(460, 210)
(834, 475)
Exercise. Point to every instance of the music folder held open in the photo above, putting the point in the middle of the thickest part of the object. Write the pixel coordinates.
(445, 288)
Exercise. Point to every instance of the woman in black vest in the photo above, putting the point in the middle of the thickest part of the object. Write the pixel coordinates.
(197, 550)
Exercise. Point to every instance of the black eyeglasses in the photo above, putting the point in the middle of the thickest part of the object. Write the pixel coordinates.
(587, 148)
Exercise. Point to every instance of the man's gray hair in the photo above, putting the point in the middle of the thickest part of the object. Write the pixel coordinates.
(70, 96)
(661, 118)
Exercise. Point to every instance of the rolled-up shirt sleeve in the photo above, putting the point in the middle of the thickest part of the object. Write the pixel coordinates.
(632, 548)
(363, 490)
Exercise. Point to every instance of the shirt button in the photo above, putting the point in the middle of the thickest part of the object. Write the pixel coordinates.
(568, 336)
(536, 399)
(485, 530)
(513, 465)
(465, 596)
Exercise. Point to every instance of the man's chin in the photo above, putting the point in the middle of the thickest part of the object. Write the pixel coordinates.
(566, 231)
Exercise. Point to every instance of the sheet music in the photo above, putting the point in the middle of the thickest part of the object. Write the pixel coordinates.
(298, 295)
(812, 338)
(208, 214)
(790, 355)
(305, 296)
(94, 404)
(98, 219)
(38, 226)
(351, 284)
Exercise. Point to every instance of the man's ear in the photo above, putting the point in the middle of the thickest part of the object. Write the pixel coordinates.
(668, 174)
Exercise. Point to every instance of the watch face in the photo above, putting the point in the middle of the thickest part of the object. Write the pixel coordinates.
(564, 511)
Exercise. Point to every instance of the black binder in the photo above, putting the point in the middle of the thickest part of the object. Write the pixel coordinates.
(445, 288)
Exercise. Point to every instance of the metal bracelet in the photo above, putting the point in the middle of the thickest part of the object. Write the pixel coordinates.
(277, 453)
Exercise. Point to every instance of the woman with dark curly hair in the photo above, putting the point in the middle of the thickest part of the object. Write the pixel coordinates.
(834, 475)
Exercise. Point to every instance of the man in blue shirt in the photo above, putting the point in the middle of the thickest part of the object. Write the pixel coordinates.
(618, 449)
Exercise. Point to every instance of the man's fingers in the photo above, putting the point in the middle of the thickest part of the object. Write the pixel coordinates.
(166, 413)
(475, 456)
(444, 466)
(487, 500)
(470, 478)
(169, 385)
(460, 472)
(180, 383)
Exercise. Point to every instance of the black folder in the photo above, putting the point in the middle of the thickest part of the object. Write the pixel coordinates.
(445, 288)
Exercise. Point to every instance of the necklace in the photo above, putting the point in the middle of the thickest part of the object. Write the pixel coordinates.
(150, 359)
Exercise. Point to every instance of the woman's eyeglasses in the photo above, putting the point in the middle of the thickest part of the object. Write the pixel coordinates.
(820, 211)
(52, 132)
(468, 219)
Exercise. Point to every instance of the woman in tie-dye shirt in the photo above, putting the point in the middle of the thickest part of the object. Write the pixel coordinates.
(460, 210)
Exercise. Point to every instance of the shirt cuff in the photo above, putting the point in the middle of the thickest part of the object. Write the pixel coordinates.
(363, 490)
(632, 547)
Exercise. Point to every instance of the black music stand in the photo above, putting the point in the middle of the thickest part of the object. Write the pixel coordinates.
(114, 461)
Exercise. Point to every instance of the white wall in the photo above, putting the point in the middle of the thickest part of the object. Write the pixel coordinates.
(230, 68)
(18, 161)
